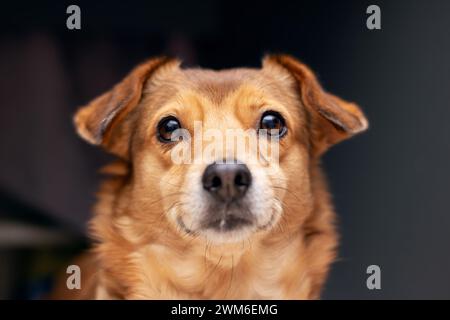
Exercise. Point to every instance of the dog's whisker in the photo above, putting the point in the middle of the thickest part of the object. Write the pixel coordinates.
(158, 180)
(288, 191)
(165, 197)
(231, 275)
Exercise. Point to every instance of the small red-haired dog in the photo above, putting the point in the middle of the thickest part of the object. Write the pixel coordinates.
(213, 229)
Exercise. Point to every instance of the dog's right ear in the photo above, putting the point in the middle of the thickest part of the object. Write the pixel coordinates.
(103, 121)
(332, 119)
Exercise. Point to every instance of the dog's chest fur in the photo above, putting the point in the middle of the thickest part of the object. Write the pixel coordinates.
(264, 273)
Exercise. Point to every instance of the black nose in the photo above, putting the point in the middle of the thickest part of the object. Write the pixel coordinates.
(226, 181)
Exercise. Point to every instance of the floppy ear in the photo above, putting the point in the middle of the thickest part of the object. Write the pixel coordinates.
(104, 120)
(332, 118)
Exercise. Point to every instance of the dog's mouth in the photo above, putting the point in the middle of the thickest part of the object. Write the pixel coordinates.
(233, 222)
(226, 223)
(223, 224)
(228, 228)
(233, 216)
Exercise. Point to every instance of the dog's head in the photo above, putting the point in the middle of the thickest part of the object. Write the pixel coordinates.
(224, 155)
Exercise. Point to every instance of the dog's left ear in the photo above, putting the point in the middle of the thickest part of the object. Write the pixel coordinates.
(332, 118)
(105, 121)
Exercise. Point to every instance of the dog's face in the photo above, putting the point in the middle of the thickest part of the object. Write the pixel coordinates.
(219, 155)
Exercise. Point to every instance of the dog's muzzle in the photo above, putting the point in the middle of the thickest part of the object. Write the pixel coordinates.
(227, 183)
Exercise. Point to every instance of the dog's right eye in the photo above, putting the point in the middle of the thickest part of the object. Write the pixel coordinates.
(274, 123)
(166, 127)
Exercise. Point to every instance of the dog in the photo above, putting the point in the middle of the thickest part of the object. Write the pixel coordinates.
(214, 229)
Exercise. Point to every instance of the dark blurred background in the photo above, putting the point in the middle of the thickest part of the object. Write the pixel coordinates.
(390, 185)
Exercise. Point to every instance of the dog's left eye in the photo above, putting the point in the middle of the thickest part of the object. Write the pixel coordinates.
(274, 123)
(166, 127)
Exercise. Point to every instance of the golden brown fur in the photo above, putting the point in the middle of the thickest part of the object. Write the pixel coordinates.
(142, 254)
